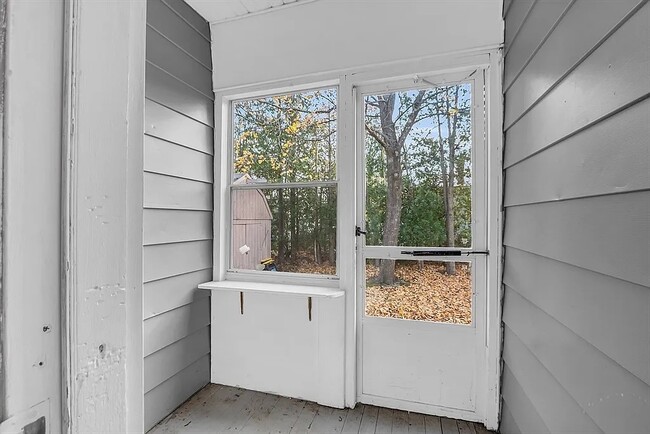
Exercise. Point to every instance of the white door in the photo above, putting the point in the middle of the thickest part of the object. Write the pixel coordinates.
(422, 243)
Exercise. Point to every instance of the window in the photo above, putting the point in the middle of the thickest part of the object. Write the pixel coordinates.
(283, 184)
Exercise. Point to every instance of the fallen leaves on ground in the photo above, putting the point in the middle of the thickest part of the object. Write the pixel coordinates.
(424, 291)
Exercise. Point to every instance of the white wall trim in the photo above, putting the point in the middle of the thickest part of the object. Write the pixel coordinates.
(114, 387)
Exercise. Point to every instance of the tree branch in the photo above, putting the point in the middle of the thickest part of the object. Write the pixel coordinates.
(377, 136)
(417, 106)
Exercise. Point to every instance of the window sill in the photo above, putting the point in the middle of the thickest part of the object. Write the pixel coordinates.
(272, 288)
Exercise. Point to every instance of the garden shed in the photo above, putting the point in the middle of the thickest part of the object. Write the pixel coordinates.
(251, 226)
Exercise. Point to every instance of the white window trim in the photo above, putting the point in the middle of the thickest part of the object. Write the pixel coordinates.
(490, 58)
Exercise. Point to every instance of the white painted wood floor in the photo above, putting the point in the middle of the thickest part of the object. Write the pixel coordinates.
(217, 409)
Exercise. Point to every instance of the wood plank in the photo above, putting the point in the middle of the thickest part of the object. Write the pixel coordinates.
(328, 420)
(166, 21)
(306, 418)
(449, 426)
(279, 418)
(575, 297)
(465, 427)
(384, 421)
(564, 231)
(191, 16)
(539, 23)
(160, 401)
(163, 226)
(170, 360)
(167, 158)
(562, 50)
(508, 424)
(516, 15)
(610, 157)
(167, 294)
(167, 192)
(400, 421)
(584, 372)
(353, 419)
(611, 77)
(258, 421)
(166, 260)
(480, 429)
(175, 127)
(520, 404)
(165, 329)
(416, 423)
(432, 424)
(169, 91)
(167, 56)
(369, 420)
(557, 409)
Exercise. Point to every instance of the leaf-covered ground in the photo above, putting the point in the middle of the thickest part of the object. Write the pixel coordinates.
(424, 291)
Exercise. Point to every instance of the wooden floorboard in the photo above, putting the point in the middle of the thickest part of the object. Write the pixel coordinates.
(218, 409)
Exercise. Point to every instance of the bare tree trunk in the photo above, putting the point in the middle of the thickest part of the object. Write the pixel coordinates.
(393, 212)
(449, 206)
(293, 253)
(282, 240)
(452, 124)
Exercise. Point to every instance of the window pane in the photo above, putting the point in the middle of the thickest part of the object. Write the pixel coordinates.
(294, 227)
(286, 138)
(424, 290)
(419, 167)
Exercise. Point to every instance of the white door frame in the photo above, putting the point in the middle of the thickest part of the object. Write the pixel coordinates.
(490, 62)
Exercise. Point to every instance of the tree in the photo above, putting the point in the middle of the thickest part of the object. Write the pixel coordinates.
(392, 141)
(423, 165)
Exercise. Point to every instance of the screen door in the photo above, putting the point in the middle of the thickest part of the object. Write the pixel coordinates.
(422, 243)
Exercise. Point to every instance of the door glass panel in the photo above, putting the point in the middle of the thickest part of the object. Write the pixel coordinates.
(418, 148)
(423, 290)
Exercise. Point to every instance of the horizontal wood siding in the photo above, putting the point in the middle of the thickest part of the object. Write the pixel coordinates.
(577, 235)
(177, 220)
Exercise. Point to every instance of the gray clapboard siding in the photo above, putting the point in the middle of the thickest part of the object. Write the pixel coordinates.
(162, 191)
(609, 234)
(540, 21)
(189, 15)
(563, 50)
(521, 407)
(162, 18)
(577, 281)
(166, 260)
(557, 409)
(622, 62)
(576, 297)
(615, 399)
(508, 424)
(166, 55)
(167, 294)
(163, 226)
(163, 364)
(175, 127)
(170, 92)
(517, 13)
(169, 159)
(589, 163)
(163, 399)
(169, 327)
(177, 220)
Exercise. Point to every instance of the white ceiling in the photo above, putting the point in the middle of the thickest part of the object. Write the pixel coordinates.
(215, 11)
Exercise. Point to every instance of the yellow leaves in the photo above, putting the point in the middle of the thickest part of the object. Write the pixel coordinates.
(453, 111)
(293, 128)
